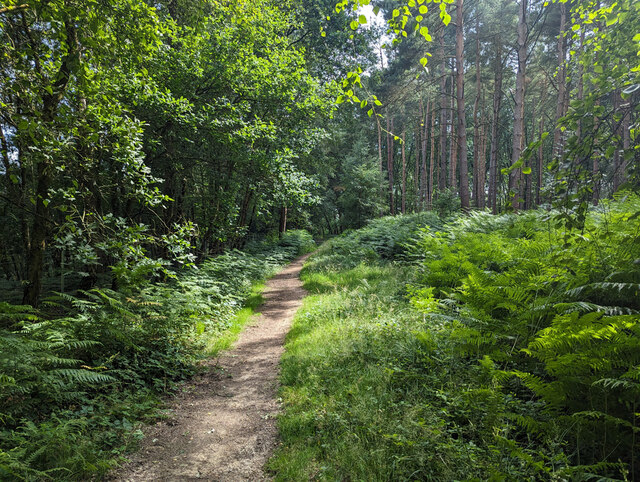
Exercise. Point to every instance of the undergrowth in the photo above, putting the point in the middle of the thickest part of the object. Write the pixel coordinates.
(79, 376)
(491, 348)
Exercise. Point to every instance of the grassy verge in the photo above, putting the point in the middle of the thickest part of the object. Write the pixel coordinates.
(224, 341)
(493, 348)
(350, 413)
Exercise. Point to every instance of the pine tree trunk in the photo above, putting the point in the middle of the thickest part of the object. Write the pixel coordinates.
(426, 186)
(381, 164)
(518, 114)
(477, 192)
(403, 206)
(482, 161)
(462, 120)
(442, 171)
(497, 101)
(453, 148)
(392, 205)
(416, 174)
(562, 81)
(431, 158)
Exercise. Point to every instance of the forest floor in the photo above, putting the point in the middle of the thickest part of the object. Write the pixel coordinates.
(222, 425)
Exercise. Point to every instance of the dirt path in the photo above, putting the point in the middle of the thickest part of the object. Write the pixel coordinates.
(223, 426)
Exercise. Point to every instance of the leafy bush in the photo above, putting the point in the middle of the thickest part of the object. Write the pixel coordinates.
(559, 319)
(387, 238)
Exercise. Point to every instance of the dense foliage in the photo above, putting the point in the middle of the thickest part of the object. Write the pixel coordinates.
(140, 138)
(487, 348)
(78, 375)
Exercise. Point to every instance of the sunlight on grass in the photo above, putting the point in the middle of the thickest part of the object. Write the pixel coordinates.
(218, 343)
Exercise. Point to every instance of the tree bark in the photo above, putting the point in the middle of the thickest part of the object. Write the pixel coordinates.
(403, 206)
(283, 220)
(515, 176)
(431, 158)
(442, 171)
(562, 82)
(478, 190)
(453, 141)
(390, 139)
(497, 101)
(426, 184)
(381, 164)
(462, 121)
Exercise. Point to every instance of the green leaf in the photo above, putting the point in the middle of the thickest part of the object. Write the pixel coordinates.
(354, 25)
(526, 170)
(362, 19)
(423, 61)
(423, 9)
(370, 112)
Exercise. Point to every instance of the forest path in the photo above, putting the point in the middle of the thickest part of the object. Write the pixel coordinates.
(223, 424)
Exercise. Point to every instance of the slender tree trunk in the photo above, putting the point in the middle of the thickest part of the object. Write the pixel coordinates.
(453, 147)
(431, 158)
(617, 178)
(540, 168)
(580, 82)
(562, 81)
(477, 191)
(595, 168)
(482, 160)
(442, 172)
(390, 139)
(283, 220)
(497, 101)
(518, 115)
(403, 207)
(416, 175)
(540, 160)
(462, 121)
(381, 165)
(626, 140)
(426, 186)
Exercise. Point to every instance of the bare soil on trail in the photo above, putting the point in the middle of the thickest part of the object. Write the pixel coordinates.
(222, 426)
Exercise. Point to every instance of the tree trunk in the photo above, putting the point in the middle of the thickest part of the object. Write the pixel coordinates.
(431, 158)
(442, 171)
(403, 207)
(482, 161)
(381, 164)
(562, 82)
(283, 221)
(453, 147)
(477, 191)
(426, 185)
(416, 175)
(518, 111)
(462, 121)
(390, 166)
(497, 101)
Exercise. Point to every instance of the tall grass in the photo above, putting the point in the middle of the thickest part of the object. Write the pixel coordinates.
(492, 348)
